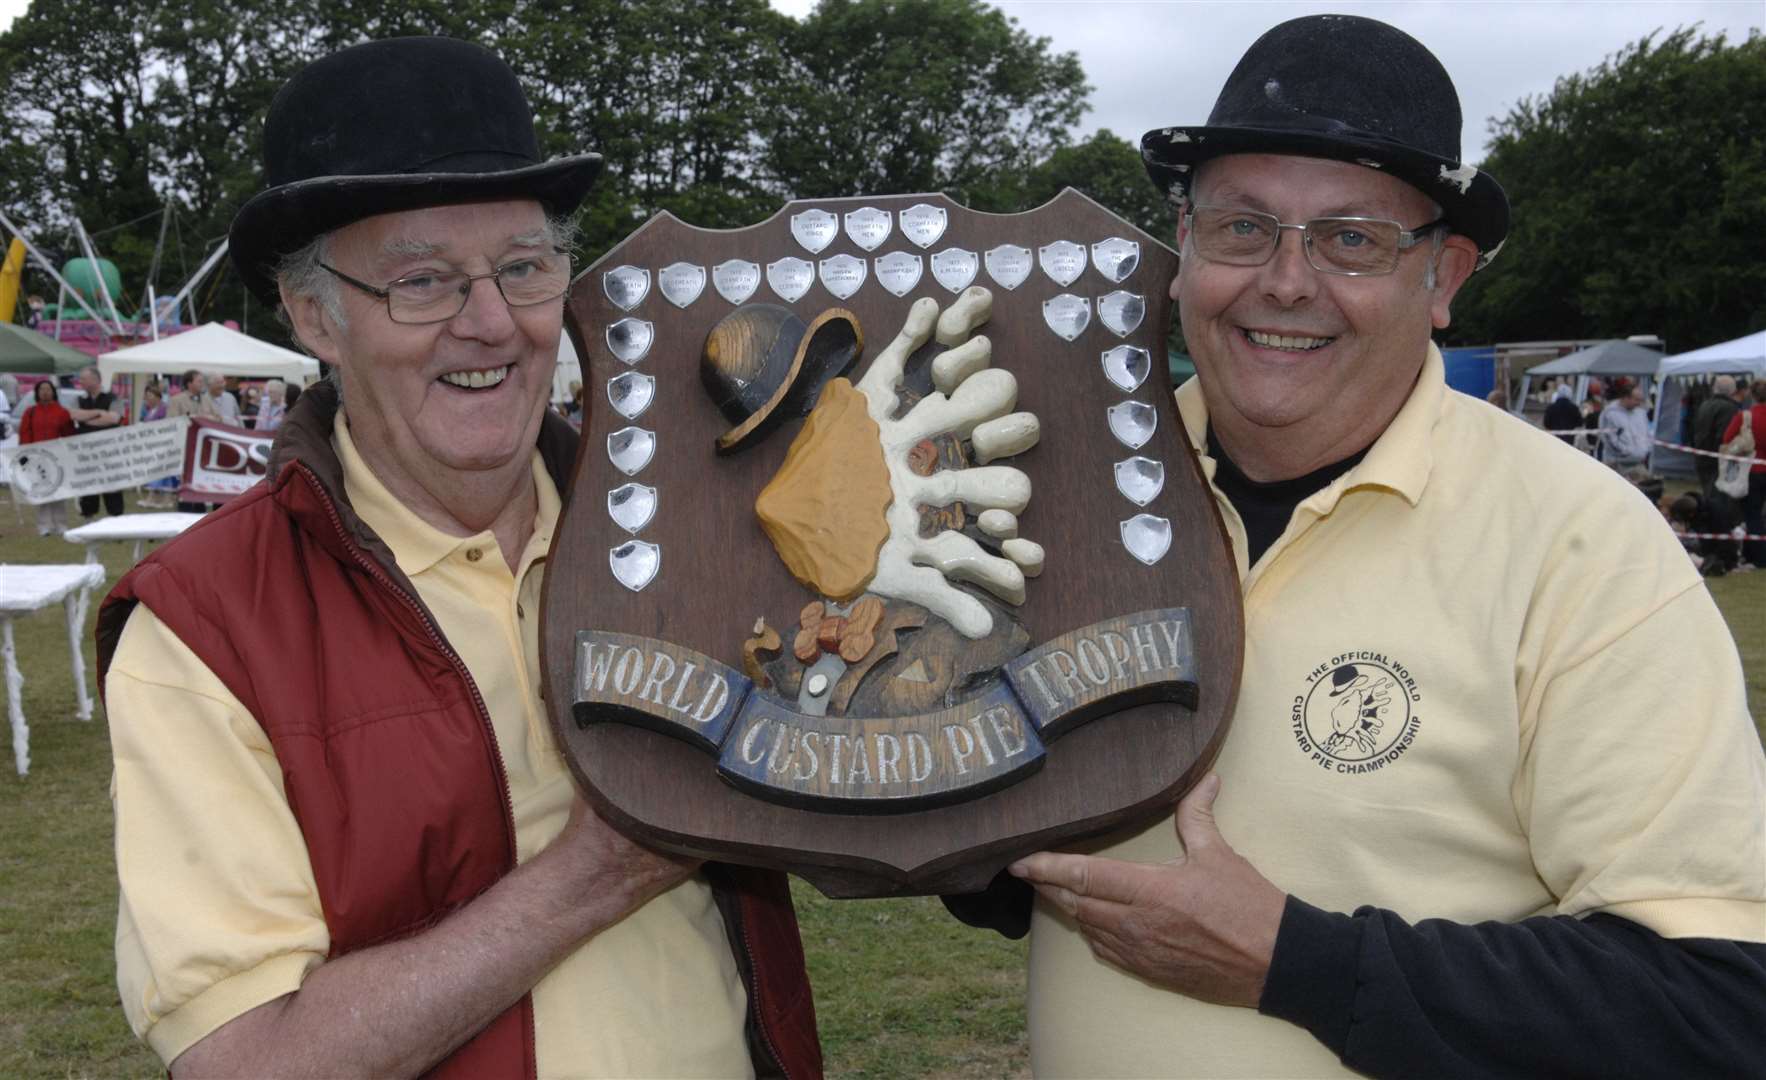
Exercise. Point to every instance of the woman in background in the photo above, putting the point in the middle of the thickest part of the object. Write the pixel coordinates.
(47, 419)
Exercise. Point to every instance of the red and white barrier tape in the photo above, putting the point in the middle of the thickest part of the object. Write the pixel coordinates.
(1704, 453)
(1718, 536)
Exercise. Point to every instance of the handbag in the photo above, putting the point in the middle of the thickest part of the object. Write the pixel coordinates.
(1737, 461)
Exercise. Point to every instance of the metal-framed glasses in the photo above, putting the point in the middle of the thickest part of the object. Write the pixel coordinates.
(438, 295)
(1352, 246)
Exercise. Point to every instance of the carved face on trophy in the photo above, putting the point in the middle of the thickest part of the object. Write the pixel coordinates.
(837, 608)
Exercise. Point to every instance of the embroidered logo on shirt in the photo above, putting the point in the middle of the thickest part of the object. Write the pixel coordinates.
(1357, 714)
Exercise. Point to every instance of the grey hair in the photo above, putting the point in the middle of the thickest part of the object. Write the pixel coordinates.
(300, 273)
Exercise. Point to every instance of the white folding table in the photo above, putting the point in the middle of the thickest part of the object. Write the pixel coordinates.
(137, 527)
(24, 589)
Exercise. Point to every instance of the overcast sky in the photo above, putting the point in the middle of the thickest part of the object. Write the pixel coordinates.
(1158, 62)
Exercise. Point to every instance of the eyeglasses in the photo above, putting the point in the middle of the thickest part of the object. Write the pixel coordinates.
(439, 296)
(1352, 246)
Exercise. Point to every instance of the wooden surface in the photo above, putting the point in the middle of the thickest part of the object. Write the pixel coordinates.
(719, 572)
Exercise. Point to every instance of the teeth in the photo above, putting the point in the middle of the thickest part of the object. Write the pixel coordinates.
(1277, 341)
(474, 380)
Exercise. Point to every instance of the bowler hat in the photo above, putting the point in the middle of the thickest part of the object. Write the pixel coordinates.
(1349, 88)
(394, 125)
(763, 364)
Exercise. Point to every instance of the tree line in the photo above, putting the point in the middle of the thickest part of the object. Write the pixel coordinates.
(715, 110)
(1639, 187)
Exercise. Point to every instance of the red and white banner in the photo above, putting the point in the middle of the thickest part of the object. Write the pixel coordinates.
(221, 461)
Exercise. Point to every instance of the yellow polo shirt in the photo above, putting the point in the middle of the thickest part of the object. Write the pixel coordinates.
(1482, 681)
(219, 912)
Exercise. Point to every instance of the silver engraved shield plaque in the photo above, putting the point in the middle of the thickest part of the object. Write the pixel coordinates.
(1008, 265)
(630, 449)
(635, 563)
(633, 505)
(1062, 260)
(735, 280)
(923, 224)
(899, 272)
(1140, 479)
(868, 227)
(814, 229)
(955, 268)
(681, 283)
(629, 339)
(1116, 258)
(630, 393)
(1127, 366)
(1122, 311)
(790, 277)
(842, 275)
(626, 286)
(1067, 315)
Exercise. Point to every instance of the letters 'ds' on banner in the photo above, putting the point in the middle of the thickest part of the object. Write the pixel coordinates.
(885, 576)
(222, 461)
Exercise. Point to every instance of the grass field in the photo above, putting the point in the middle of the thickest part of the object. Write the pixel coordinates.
(901, 989)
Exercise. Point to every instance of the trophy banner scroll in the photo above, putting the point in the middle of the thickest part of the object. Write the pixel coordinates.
(887, 560)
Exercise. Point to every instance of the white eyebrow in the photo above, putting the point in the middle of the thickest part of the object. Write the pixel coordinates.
(409, 248)
(537, 238)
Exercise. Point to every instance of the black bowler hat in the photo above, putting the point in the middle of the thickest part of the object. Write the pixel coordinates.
(394, 125)
(1349, 88)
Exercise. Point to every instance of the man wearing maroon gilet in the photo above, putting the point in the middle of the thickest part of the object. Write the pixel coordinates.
(346, 841)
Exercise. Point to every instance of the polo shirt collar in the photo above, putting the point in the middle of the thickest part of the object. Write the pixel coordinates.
(416, 544)
(1400, 459)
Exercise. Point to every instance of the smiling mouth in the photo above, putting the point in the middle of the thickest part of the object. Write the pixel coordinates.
(1291, 344)
(477, 380)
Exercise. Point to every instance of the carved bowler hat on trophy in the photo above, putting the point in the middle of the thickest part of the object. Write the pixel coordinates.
(887, 560)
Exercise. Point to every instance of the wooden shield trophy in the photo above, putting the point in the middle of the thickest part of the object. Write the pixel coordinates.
(887, 560)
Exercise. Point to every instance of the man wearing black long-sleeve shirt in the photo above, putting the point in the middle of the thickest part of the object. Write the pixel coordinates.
(1491, 802)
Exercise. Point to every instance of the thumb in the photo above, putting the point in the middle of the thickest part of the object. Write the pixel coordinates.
(1195, 817)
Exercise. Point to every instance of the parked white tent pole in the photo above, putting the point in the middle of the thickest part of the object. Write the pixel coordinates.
(103, 289)
(52, 272)
(196, 279)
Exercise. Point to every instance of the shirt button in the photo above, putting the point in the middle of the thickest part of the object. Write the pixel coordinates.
(520, 612)
(474, 554)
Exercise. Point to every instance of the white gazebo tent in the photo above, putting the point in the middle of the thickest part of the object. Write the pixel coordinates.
(1745, 358)
(210, 347)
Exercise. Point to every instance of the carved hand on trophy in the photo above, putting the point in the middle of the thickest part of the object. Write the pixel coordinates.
(846, 517)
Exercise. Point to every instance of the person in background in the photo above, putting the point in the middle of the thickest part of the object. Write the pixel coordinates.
(272, 409)
(98, 410)
(9, 388)
(1754, 505)
(226, 406)
(1704, 520)
(1709, 424)
(153, 406)
(158, 494)
(248, 408)
(1562, 417)
(190, 400)
(47, 419)
(1624, 432)
(289, 397)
